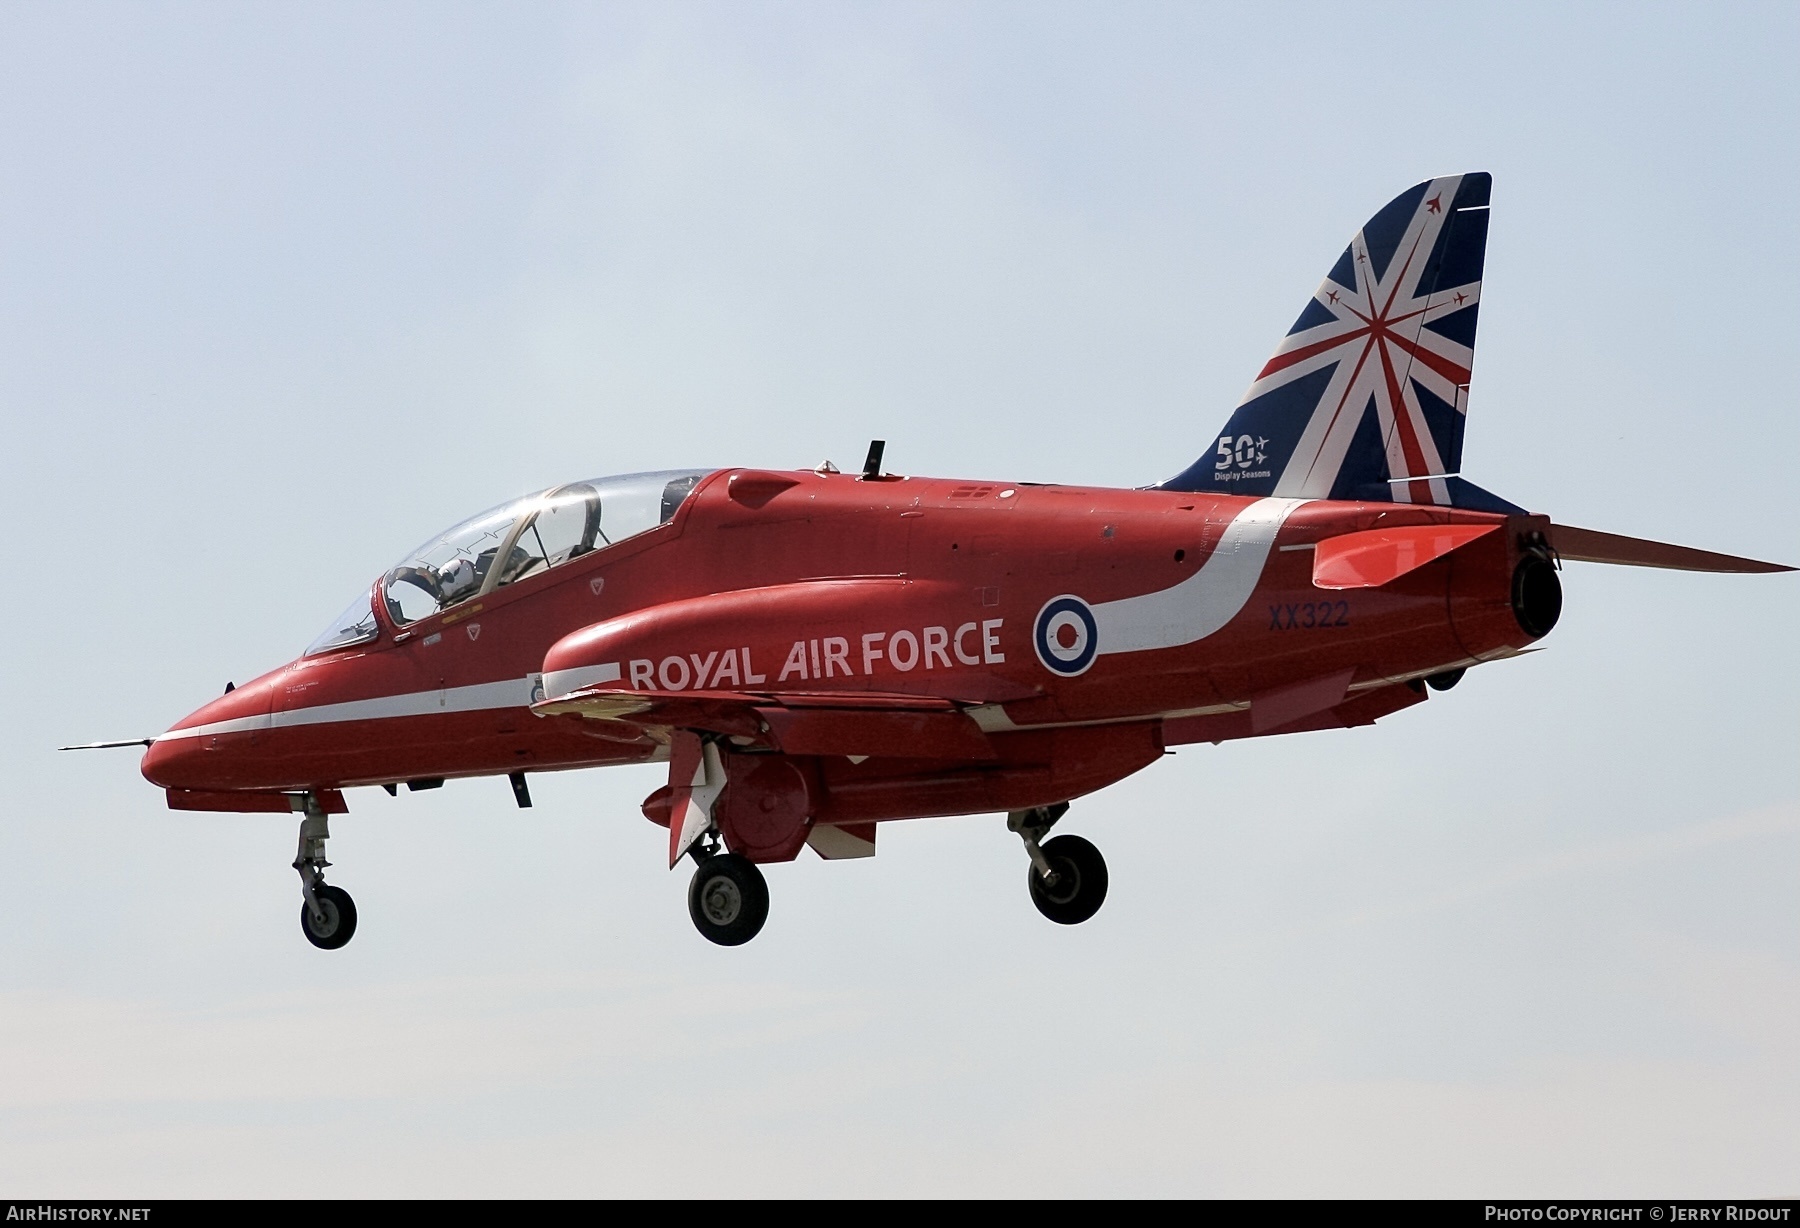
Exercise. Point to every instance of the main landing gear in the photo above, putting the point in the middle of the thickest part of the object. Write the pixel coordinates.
(1067, 878)
(728, 899)
(327, 914)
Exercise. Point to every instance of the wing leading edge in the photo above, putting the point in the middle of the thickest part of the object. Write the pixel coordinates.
(796, 723)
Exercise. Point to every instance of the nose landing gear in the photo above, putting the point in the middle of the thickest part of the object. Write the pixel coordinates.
(335, 920)
(1067, 879)
(327, 914)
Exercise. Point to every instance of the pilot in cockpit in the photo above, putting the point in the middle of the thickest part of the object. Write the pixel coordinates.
(537, 533)
(458, 580)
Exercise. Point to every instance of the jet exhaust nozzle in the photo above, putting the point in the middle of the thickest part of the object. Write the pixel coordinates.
(1536, 595)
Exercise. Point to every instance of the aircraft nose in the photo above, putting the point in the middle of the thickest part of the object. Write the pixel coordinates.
(169, 763)
(212, 747)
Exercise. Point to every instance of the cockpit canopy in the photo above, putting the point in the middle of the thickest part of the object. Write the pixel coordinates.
(524, 537)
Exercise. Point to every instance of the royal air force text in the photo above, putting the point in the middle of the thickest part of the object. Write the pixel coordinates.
(826, 657)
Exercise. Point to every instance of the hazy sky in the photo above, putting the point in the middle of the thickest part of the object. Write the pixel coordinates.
(285, 289)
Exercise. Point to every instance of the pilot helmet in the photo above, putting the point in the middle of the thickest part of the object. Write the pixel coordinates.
(456, 580)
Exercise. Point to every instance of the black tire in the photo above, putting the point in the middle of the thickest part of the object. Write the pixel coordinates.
(340, 919)
(1445, 680)
(1080, 886)
(728, 900)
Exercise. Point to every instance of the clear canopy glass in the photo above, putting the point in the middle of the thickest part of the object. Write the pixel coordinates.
(531, 535)
(356, 625)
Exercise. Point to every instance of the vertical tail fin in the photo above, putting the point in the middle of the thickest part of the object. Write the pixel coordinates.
(1366, 396)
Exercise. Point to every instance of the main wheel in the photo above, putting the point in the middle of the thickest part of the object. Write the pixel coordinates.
(728, 900)
(1445, 680)
(1080, 886)
(340, 918)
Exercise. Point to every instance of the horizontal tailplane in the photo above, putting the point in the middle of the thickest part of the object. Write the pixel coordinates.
(1588, 546)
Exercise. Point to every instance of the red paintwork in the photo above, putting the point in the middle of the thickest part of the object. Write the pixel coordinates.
(329, 801)
(1381, 556)
(757, 561)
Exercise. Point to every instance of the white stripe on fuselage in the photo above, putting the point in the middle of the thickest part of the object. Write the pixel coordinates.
(1192, 610)
(560, 682)
(1206, 600)
(242, 724)
(481, 697)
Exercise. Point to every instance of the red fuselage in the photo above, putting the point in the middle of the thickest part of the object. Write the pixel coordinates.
(831, 585)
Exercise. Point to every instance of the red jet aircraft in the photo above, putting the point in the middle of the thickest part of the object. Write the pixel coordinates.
(816, 653)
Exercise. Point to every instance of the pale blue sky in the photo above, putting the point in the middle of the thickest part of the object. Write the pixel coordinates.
(284, 289)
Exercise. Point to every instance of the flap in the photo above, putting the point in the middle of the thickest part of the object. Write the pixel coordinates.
(1378, 556)
(1284, 706)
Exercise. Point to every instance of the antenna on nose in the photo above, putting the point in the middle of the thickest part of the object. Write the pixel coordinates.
(872, 466)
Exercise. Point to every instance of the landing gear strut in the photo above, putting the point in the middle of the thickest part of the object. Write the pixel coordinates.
(728, 898)
(327, 914)
(1067, 878)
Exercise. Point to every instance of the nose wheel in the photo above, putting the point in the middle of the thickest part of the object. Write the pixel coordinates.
(336, 920)
(327, 913)
(728, 899)
(1067, 877)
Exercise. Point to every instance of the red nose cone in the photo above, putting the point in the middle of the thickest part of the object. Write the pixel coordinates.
(217, 746)
(162, 765)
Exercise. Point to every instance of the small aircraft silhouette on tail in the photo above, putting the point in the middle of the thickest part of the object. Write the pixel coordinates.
(815, 653)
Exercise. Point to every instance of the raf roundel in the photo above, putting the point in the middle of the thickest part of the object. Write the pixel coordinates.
(1065, 635)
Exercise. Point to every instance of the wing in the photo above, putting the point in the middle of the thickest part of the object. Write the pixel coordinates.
(797, 723)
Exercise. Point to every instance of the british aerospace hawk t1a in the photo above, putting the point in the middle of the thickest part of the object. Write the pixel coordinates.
(814, 654)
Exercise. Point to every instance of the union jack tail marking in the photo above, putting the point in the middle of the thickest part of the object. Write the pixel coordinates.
(1366, 396)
